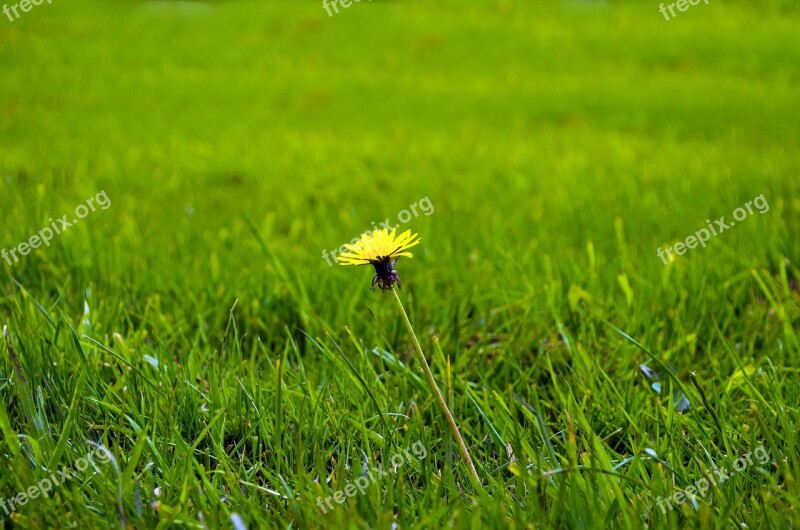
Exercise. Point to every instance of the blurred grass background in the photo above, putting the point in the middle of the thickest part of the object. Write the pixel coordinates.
(560, 144)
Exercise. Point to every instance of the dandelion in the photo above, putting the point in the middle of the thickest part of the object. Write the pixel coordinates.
(381, 249)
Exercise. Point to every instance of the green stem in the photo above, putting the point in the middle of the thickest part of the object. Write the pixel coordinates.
(439, 399)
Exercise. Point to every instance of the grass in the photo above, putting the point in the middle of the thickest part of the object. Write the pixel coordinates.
(194, 331)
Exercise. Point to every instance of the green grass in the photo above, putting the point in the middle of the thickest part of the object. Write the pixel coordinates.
(223, 363)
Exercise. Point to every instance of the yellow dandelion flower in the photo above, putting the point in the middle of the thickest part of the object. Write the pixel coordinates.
(381, 249)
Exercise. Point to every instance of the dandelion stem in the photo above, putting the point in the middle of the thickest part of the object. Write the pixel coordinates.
(435, 389)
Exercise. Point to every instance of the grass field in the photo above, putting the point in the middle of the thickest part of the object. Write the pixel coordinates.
(189, 333)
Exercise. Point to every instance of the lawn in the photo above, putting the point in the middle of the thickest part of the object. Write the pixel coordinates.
(180, 349)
